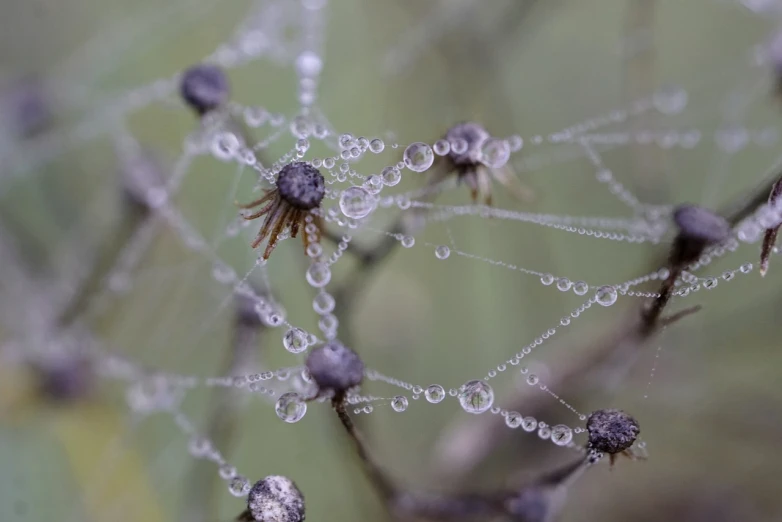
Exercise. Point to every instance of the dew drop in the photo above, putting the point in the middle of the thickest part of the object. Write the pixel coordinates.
(434, 393)
(418, 157)
(495, 153)
(318, 275)
(239, 486)
(377, 146)
(476, 396)
(295, 340)
(391, 176)
(323, 303)
(308, 64)
(606, 295)
(561, 435)
(563, 284)
(290, 407)
(399, 403)
(544, 432)
(671, 99)
(442, 147)
(408, 241)
(532, 379)
(442, 252)
(357, 202)
(580, 287)
(529, 424)
(513, 419)
(547, 279)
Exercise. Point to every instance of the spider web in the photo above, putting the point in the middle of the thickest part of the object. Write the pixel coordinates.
(185, 334)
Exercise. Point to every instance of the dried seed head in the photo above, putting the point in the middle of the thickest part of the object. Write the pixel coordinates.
(336, 367)
(276, 499)
(611, 431)
(474, 135)
(301, 185)
(700, 224)
(204, 88)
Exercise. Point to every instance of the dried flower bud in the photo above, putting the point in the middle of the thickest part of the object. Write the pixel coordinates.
(698, 228)
(276, 499)
(301, 185)
(335, 367)
(204, 88)
(611, 431)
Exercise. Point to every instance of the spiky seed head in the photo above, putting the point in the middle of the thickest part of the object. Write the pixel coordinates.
(204, 88)
(333, 366)
(301, 185)
(276, 499)
(474, 135)
(700, 224)
(611, 431)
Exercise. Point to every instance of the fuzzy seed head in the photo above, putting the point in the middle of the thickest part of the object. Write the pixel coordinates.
(301, 185)
(611, 431)
(204, 88)
(701, 224)
(336, 367)
(474, 135)
(276, 499)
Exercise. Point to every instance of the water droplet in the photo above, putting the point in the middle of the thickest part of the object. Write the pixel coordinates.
(308, 64)
(495, 153)
(418, 157)
(532, 379)
(399, 403)
(442, 252)
(561, 435)
(357, 202)
(746, 268)
(295, 340)
(529, 424)
(239, 486)
(442, 147)
(513, 419)
(391, 176)
(476, 396)
(564, 284)
(323, 303)
(318, 275)
(547, 279)
(227, 472)
(434, 393)
(710, 283)
(580, 287)
(408, 241)
(606, 295)
(670, 99)
(290, 407)
(544, 432)
(377, 145)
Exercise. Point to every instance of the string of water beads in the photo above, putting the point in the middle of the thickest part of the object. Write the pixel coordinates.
(201, 448)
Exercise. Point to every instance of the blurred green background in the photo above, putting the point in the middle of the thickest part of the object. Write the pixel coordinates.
(706, 391)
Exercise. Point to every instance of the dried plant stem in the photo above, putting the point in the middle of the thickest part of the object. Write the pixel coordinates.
(376, 475)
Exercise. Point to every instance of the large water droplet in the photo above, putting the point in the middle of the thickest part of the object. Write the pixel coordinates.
(606, 295)
(418, 157)
(561, 435)
(290, 407)
(495, 153)
(318, 275)
(442, 252)
(434, 393)
(295, 340)
(399, 403)
(476, 396)
(357, 202)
